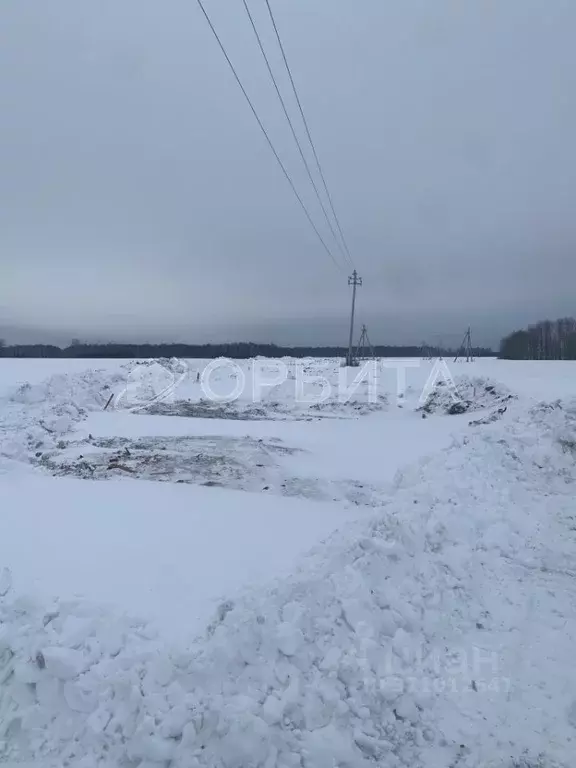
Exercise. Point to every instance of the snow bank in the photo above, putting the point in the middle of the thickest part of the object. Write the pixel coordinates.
(439, 635)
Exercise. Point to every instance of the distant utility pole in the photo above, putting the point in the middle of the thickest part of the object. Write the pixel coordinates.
(354, 280)
(465, 348)
(365, 350)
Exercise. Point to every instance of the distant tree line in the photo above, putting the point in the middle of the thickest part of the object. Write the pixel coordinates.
(546, 340)
(239, 350)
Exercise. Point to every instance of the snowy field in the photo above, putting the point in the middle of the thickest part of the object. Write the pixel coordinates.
(264, 564)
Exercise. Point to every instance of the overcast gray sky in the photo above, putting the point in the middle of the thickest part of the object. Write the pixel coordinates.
(138, 198)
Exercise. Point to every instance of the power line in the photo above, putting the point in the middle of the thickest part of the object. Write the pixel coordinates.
(263, 129)
(294, 134)
(308, 130)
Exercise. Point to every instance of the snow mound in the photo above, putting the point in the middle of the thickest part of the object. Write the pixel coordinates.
(466, 394)
(82, 391)
(35, 417)
(557, 420)
(274, 683)
(440, 634)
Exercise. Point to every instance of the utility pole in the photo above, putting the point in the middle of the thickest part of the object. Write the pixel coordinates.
(466, 348)
(364, 350)
(353, 280)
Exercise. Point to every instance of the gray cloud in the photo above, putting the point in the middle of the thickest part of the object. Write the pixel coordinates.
(138, 199)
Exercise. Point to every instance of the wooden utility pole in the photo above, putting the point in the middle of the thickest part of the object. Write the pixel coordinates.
(354, 281)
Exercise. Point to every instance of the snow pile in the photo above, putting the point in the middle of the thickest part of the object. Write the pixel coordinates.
(466, 394)
(277, 680)
(82, 391)
(504, 527)
(439, 635)
(35, 417)
(558, 421)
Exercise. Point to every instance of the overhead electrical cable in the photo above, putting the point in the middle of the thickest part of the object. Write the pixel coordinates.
(268, 139)
(307, 129)
(293, 130)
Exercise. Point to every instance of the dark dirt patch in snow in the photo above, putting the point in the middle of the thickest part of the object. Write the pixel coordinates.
(351, 407)
(245, 464)
(467, 394)
(491, 418)
(204, 409)
(269, 409)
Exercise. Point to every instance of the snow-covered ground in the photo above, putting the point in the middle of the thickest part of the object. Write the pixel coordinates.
(293, 577)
